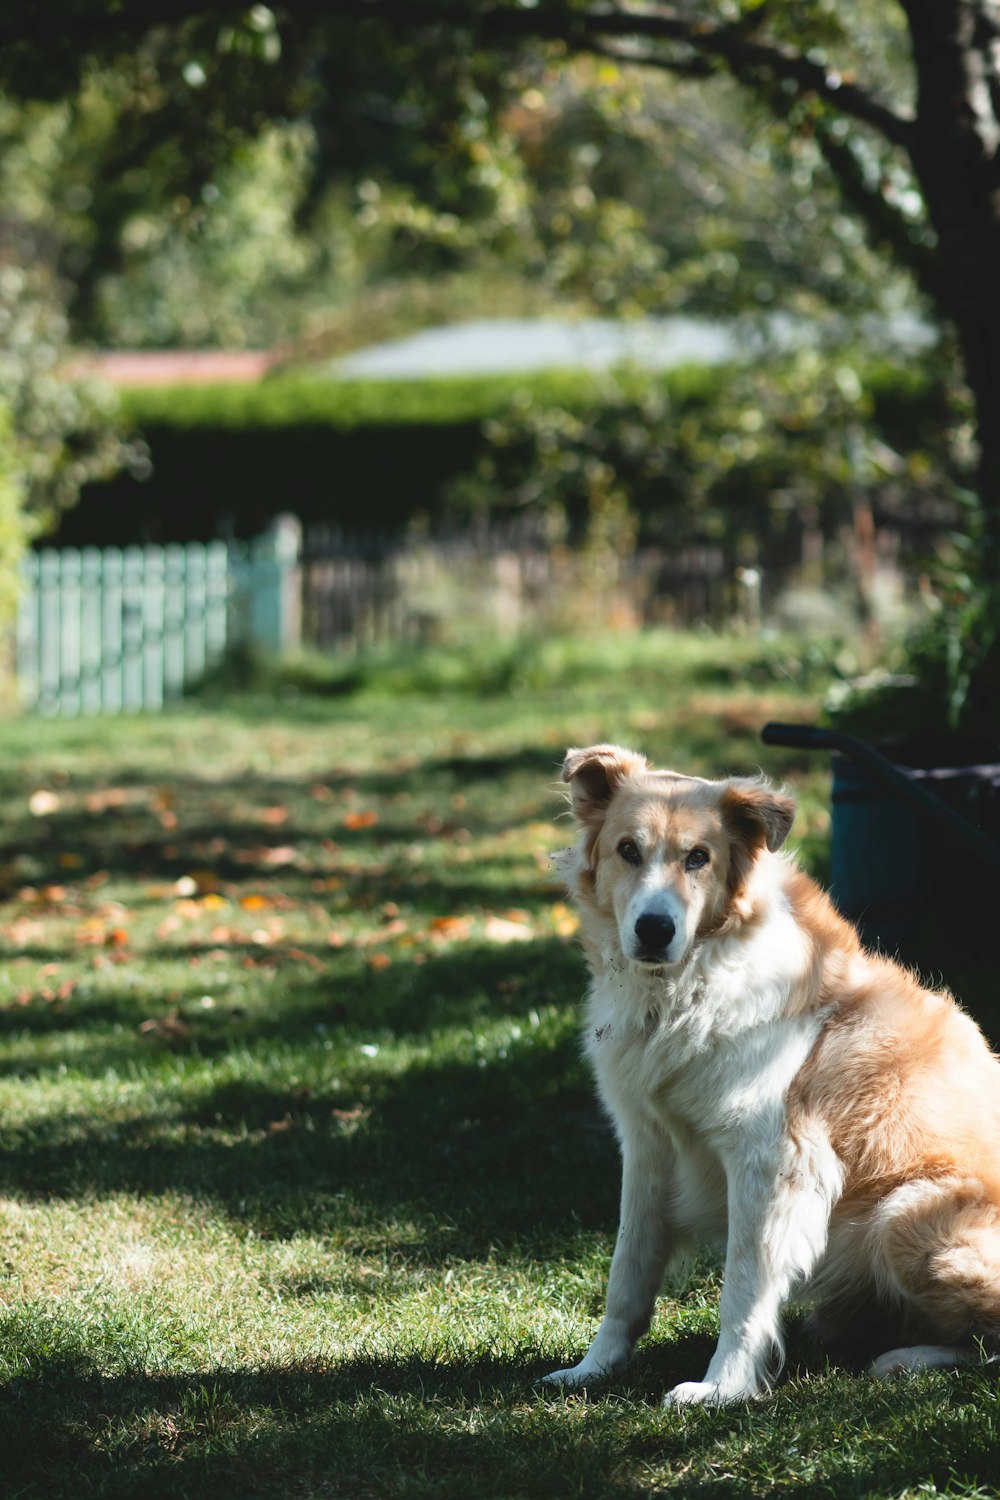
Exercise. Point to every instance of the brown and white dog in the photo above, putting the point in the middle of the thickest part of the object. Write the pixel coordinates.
(774, 1085)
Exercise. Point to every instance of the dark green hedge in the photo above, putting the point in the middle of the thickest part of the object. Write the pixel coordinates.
(365, 454)
(362, 454)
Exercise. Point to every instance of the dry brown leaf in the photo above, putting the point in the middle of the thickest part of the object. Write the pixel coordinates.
(274, 816)
(450, 927)
(172, 1026)
(366, 819)
(282, 854)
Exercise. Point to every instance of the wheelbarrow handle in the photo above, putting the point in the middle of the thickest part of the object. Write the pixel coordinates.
(810, 737)
(798, 736)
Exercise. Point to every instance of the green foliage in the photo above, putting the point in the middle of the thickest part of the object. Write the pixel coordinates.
(573, 463)
(236, 454)
(533, 663)
(63, 432)
(943, 676)
(229, 269)
(730, 454)
(289, 400)
(250, 180)
(761, 447)
(13, 525)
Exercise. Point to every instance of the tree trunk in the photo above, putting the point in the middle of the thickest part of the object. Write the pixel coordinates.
(956, 155)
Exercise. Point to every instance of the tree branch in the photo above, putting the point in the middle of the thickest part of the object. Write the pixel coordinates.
(736, 47)
(746, 57)
(886, 226)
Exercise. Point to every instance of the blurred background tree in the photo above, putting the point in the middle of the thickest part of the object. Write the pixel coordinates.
(242, 173)
(193, 172)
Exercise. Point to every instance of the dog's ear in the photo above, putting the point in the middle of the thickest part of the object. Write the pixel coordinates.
(594, 776)
(757, 814)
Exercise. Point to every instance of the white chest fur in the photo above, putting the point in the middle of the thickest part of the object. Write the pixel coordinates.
(708, 1052)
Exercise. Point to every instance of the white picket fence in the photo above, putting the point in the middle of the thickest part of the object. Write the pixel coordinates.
(125, 630)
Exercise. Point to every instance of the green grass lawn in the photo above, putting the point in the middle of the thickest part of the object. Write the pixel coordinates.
(302, 1182)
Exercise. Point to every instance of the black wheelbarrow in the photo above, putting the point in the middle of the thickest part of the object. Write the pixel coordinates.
(914, 838)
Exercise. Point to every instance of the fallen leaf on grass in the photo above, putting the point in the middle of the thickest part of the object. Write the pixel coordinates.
(350, 1119)
(23, 932)
(192, 909)
(171, 1027)
(224, 936)
(47, 995)
(160, 892)
(366, 819)
(91, 932)
(282, 854)
(301, 956)
(450, 927)
(274, 816)
(106, 798)
(502, 930)
(43, 802)
(564, 919)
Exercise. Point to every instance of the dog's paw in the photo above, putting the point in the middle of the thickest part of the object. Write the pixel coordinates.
(576, 1377)
(693, 1393)
(705, 1393)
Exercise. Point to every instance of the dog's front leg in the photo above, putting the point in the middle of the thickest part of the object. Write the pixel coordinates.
(778, 1227)
(637, 1266)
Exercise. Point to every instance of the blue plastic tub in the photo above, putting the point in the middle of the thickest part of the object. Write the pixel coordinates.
(896, 872)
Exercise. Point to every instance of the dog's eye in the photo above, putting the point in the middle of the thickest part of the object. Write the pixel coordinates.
(697, 859)
(629, 851)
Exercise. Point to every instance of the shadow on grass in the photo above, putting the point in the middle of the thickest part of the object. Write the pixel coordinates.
(415, 1427)
(221, 826)
(297, 1003)
(472, 1144)
(468, 1162)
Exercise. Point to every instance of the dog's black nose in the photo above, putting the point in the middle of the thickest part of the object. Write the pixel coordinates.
(655, 931)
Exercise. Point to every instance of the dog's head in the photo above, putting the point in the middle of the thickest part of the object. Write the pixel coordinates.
(668, 857)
